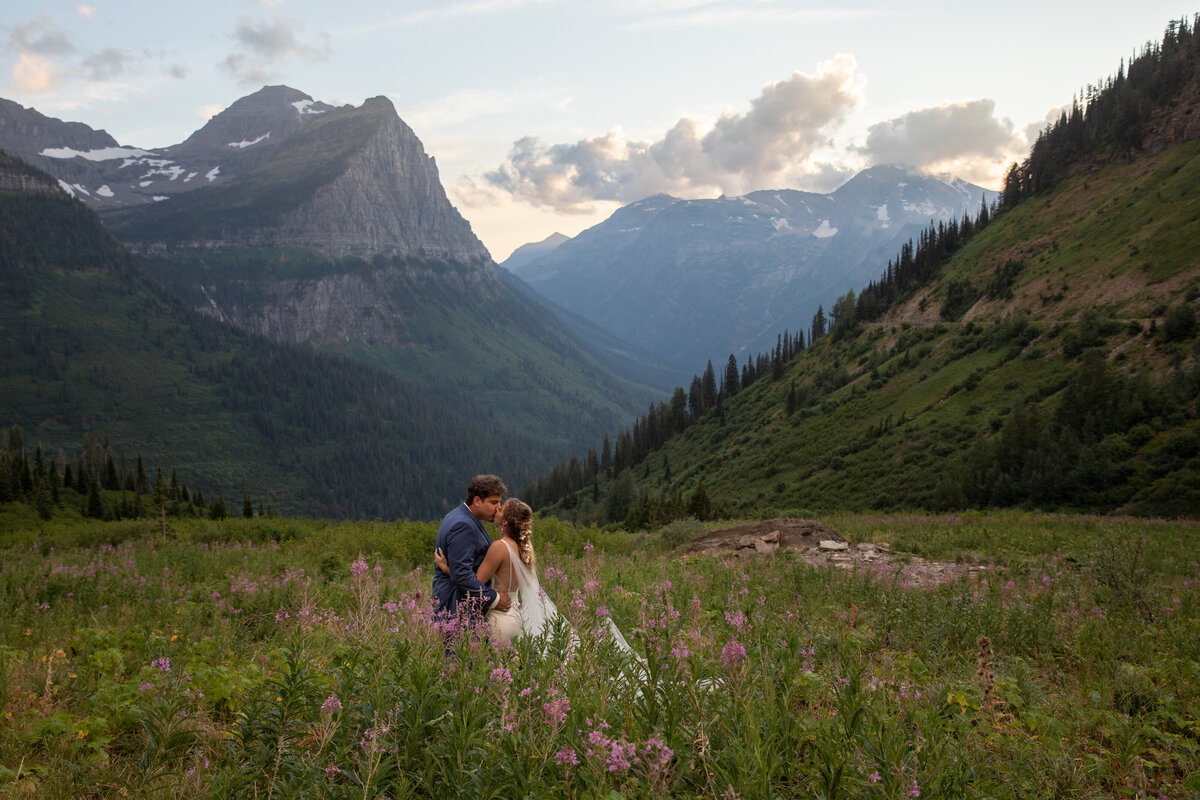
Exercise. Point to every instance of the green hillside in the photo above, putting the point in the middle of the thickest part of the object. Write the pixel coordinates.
(90, 344)
(1050, 361)
(486, 351)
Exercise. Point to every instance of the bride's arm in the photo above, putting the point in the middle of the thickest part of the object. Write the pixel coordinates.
(491, 562)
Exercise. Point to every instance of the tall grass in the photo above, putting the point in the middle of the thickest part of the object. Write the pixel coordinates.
(286, 658)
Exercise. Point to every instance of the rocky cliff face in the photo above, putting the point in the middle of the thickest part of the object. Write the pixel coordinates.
(388, 200)
(16, 178)
(374, 306)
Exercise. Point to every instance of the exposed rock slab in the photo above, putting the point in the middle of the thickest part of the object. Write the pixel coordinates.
(822, 546)
(785, 533)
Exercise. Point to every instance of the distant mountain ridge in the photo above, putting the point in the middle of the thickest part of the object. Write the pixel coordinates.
(532, 251)
(691, 280)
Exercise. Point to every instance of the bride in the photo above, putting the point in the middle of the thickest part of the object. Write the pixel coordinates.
(509, 565)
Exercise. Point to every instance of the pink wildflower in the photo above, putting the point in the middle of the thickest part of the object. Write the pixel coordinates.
(567, 757)
(733, 653)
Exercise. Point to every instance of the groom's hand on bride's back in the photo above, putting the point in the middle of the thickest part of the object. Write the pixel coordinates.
(503, 601)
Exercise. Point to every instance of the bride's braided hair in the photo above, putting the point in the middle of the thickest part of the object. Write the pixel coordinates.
(518, 517)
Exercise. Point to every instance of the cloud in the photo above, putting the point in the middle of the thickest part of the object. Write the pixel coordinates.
(86, 11)
(777, 137)
(265, 43)
(36, 45)
(106, 64)
(941, 137)
(42, 37)
(35, 74)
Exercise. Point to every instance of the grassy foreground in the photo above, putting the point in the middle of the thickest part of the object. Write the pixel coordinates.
(287, 658)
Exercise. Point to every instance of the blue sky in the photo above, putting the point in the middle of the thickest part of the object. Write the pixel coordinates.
(547, 115)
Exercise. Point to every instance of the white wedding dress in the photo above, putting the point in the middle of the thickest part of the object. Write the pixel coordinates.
(538, 612)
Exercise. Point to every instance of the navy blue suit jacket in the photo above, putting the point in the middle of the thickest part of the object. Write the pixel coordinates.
(464, 541)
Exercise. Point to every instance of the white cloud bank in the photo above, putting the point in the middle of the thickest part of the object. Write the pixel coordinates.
(965, 139)
(784, 139)
(785, 125)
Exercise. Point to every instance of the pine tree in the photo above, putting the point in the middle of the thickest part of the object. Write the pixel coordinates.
(698, 504)
(709, 387)
(95, 506)
(818, 325)
(732, 381)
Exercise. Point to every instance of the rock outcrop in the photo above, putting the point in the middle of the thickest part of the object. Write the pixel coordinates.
(388, 200)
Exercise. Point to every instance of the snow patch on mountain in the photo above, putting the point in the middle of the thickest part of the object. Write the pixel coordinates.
(66, 187)
(825, 230)
(248, 143)
(212, 174)
(104, 191)
(925, 208)
(161, 168)
(305, 107)
(103, 154)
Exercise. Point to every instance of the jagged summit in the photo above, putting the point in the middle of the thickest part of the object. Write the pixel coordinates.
(251, 125)
(274, 168)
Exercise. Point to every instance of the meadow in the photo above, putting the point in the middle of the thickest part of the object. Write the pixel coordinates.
(276, 658)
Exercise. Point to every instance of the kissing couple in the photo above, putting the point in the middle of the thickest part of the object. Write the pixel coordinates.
(490, 580)
(495, 580)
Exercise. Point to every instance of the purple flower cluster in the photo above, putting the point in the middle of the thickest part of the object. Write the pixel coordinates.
(556, 708)
(733, 654)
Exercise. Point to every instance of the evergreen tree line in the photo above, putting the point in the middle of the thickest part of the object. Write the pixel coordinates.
(1108, 119)
(1090, 451)
(100, 484)
(706, 393)
(914, 266)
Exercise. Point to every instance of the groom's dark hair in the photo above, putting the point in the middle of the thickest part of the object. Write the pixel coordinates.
(485, 486)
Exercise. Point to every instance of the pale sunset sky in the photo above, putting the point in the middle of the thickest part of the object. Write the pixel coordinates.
(547, 115)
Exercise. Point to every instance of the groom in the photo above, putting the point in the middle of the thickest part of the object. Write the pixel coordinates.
(464, 541)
